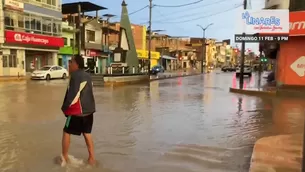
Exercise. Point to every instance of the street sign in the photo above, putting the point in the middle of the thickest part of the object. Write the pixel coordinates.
(299, 66)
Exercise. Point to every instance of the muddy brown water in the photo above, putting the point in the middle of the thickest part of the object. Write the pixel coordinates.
(190, 124)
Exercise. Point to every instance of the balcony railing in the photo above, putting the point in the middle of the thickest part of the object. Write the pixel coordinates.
(43, 4)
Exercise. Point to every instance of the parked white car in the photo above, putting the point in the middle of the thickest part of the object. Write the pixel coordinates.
(247, 70)
(50, 72)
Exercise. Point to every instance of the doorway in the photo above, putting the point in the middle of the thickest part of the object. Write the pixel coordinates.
(5, 65)
(184, 64)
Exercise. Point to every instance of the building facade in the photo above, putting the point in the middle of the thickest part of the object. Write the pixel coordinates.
(211, 52)
(92, 45)
(30, 35)
(70, 46)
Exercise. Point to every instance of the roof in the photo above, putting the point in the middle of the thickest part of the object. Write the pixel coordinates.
(72, 8)
(111, 31)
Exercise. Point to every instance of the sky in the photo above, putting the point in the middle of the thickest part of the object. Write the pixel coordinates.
(183, 21)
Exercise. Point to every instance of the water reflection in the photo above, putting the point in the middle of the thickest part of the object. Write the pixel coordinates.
(182, 124)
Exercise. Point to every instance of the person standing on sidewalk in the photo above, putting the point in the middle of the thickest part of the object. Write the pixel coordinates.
(78, 107)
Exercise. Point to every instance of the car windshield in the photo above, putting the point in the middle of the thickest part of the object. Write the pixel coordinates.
(45, 68)
(156, 67)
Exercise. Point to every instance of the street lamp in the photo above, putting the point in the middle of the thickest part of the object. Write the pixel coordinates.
(203, 42)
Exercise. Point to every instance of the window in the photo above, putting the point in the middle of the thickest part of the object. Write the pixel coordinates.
(38, 24)
(32, 23)
(71, 42)
(8, 21)
(27, 23)
(90, 35)
(12, 61)
(5, 61)
(20, 21)
(65, 41)
(46, 26)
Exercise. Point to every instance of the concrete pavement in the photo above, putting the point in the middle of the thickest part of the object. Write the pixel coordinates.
(282, 153)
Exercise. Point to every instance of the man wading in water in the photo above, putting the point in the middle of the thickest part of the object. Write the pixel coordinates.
(78, 107)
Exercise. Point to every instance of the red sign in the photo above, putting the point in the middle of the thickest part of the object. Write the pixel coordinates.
(297, 23)
(92, 53)
(33, 39)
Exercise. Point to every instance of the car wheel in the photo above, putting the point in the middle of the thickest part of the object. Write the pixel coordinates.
(48, 77)
(64, 76)
(237, 75)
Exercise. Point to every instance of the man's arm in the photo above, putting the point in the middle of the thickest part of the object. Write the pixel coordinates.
(72, 92)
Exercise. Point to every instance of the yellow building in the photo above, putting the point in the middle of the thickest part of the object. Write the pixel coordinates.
(211, 52)
(143, 53)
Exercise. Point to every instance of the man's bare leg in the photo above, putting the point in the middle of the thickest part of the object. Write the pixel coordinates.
(65, 146)
(89, 143)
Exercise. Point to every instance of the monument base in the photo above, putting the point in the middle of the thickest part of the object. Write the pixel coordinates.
(125, 79)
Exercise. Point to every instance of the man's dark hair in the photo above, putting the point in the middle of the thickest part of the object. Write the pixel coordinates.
(79, 61)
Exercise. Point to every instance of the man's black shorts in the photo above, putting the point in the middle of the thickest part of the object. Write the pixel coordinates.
(77, 125)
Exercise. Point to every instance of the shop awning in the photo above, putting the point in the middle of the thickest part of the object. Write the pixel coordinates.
(168, 57)
(72, 8)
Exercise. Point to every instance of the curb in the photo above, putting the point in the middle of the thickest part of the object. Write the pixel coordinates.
(253, 92)
(4, 80)
(171, 77)
(119, 84)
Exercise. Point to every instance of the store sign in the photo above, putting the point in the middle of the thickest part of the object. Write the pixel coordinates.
(263, 21)
(297, 23)
(92, 53)
(33, 39)
(299, 66)
(13, 4)
(144, 54)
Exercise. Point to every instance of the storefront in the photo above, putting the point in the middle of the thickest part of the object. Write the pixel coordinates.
(95, 61)
(65, 54)
(291, 56)
(25, 52)
(143, 58)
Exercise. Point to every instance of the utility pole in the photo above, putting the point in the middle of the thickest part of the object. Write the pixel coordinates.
(242, 61)
(203, 49)
(149, 39)
(203, 43)
(79, 27)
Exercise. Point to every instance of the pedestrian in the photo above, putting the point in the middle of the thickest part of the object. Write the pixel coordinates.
(78, 107)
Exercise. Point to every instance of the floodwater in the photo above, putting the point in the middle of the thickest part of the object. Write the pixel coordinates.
(190, 124)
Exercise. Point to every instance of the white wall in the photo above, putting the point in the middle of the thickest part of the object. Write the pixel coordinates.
(20, 67)
(98, 33)
(282, 4)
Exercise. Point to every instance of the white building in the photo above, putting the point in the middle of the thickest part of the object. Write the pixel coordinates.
(30, 35)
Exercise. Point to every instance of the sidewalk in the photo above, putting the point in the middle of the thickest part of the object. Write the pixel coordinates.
(12, 78)
(281, 153)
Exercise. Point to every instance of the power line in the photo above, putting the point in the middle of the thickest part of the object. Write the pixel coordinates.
(203, 6)
(188, 15)
(136, 11)
(139, 10)
(193, 19)
(181, 5)
(176, 25)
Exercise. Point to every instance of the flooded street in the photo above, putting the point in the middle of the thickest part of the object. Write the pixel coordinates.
(190, 124)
